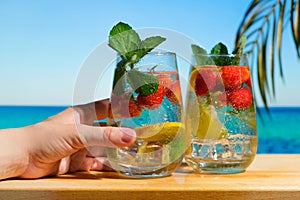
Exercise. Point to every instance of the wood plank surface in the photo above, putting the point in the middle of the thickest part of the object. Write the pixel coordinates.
(270, 176)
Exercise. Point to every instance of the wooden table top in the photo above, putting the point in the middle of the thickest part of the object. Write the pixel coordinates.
(270, 176)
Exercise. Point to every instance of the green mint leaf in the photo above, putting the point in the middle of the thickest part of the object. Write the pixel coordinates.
(151, 42)
(119, 28)
(141, 82)
(219, 48)
(201, 56)
(219, 51)
(146, 46)
(198, 50)
(124, 40)
(131, 48)
(239, 51)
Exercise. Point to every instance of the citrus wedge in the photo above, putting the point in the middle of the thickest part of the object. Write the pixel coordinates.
(165, 132)
(193, 77)
(210, 126)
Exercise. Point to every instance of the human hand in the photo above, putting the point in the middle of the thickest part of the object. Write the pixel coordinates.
(67, 142)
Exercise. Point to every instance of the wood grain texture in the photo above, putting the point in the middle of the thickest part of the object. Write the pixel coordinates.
(270, 176)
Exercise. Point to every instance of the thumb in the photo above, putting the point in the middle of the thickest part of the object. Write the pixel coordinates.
(106, 136)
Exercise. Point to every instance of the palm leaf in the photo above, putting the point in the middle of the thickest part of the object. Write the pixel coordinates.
(279, 35)
(263, 25)
(295, 26)
(261, 73)
(272, 49)
(243, 26)
(252, 15)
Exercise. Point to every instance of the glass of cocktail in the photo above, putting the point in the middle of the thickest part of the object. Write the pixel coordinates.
(146, 96)
(220, 114)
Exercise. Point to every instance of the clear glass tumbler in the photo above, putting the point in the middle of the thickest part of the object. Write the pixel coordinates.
(146, 96)
(220, 114)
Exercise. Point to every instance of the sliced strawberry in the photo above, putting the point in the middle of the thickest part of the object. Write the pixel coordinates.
(200, 86)
(151, 101)
(134, 109)
(234, 76)
(206, 80)
(241, 98)
(174, 92)
(223, 98)
(123, 107)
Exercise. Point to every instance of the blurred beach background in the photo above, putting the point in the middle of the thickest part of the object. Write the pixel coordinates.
(43, 45)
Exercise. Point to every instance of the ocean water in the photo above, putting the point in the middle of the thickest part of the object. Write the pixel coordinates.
(278, 130)
(18, 116)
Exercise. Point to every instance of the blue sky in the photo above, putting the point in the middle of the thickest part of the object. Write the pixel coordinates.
(44, 43)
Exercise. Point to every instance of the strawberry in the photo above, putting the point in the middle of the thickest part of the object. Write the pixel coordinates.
(206, 80)
(123, 107)
(223, 98)
(245, 73)
(151, 101)
(234, 76)
(174, 93)
(241, 98)
(200, 86)
(134, 109)
(248, 82)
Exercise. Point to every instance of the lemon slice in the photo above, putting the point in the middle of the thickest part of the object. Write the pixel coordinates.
(210, 126)
(193, 77)
(165, 132)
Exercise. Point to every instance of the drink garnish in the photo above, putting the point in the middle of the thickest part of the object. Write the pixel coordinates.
(165, 132)
(131, 49)
(220, 82)
(210, 126)
(219, 49)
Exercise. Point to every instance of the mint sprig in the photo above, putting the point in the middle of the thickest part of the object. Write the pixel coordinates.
(128, 44)
(200, 55)
(131, 48)
(124, 40)
(219, 49)
(142, 83)
(217, 54)
(198, 50)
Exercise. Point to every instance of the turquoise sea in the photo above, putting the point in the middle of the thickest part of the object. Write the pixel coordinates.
(278, 130)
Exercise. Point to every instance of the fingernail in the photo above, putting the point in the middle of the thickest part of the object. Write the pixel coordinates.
(94, 165)
(128, 135)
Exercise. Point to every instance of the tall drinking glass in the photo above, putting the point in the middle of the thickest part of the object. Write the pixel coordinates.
(148, 99)
(220, 114)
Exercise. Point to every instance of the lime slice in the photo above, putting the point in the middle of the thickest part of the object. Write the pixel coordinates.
(165, 132)
(210, 126)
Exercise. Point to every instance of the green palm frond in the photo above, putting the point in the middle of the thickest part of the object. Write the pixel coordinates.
(264, 24)
(295, 21)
